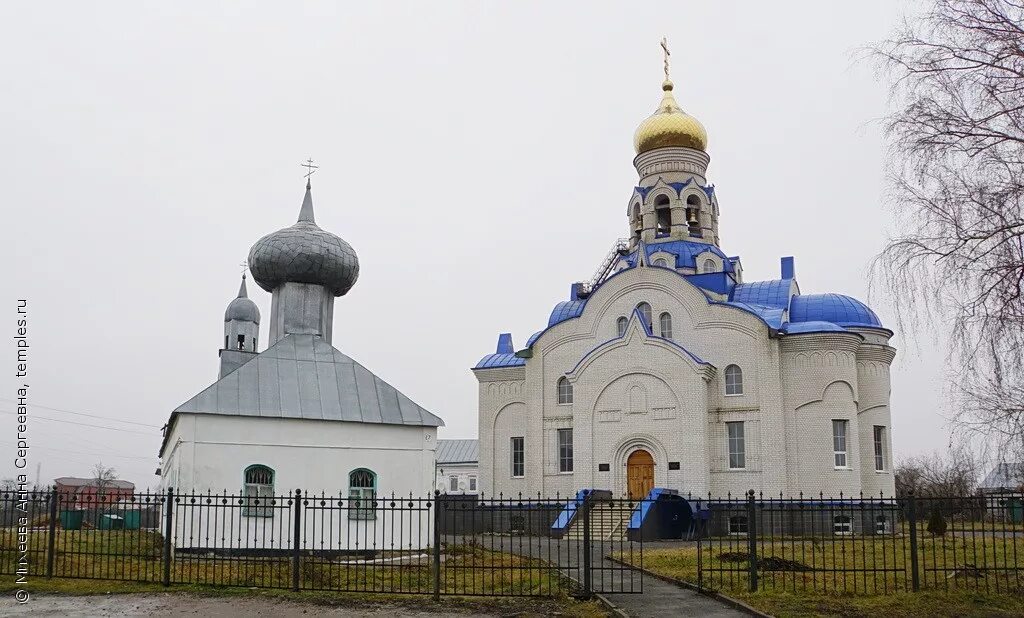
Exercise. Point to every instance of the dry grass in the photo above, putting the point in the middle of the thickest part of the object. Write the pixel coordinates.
(822, 591)
(136, 556)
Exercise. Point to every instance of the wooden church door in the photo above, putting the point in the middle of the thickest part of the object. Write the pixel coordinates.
(639, 474)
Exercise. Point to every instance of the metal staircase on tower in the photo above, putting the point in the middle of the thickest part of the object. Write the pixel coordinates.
(619, 249)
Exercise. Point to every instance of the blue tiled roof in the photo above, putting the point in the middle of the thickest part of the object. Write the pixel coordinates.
(772, 316)
(769, 293)
(686, 253)
(504, 355)
(835, 308)
(534, 337)
(566, 310)
(500, 360)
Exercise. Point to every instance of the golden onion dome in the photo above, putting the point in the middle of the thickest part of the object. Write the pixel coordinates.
(669, 125)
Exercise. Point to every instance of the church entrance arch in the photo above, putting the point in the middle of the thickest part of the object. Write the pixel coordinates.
(639, 474)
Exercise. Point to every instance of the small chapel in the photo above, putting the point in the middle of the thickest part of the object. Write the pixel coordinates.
(300, 414)
(668, 370)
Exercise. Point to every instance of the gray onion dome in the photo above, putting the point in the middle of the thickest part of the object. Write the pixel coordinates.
(304, 253)
(242, 308)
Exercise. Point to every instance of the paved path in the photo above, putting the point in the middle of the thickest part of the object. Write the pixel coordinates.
(639, 596)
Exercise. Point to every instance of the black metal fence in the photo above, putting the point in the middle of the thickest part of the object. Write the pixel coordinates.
(383, 544)
(862, 545)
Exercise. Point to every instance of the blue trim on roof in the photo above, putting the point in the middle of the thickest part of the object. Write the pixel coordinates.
(566, 310)
(835, 308)
(650, 335)
(719, 283)
(686, 253)
(534, 337)
(500, 360)
(771, 316)
(709, 190)
(773, 293)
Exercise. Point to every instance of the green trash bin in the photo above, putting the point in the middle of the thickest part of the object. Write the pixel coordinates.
(111, 521)
(132, 520)
(1016, 510)
(71, 520)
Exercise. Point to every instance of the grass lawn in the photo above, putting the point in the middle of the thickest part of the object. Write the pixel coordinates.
(87, 561)
(820, 592)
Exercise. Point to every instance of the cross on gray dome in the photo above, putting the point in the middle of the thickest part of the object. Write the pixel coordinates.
(242, 308)
(304, 253)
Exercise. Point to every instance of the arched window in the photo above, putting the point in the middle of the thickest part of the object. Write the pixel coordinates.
(621, 324)
(636, 222)
(661, 262)
(733, 380)
(842, 524)
(665, 321)
(258, 491)
(693, 213)
(710, 266)
(362, 492)
(645, 313)
(664, 215)
(564, 390)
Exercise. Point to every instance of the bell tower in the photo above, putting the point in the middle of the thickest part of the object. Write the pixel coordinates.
(673, 200)
(241, 332)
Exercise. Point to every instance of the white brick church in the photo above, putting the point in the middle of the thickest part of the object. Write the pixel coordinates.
(668, 370)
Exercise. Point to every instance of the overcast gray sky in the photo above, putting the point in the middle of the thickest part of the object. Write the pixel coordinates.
(477, 156)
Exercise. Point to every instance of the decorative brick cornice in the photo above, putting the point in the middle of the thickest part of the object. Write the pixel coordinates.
(877, 353)
(837, 342)
(500, 374)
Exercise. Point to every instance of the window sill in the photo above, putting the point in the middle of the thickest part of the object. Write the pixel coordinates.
(881, 472)
(565, 472)
(743, 469)
(843, 468)
(518, 477)
(565, 404)
(734, 394)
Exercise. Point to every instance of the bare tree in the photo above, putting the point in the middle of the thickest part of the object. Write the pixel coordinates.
(957, 260)
(104, 478)
(952, 473)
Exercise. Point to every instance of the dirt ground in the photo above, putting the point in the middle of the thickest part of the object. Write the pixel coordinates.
(53, 605)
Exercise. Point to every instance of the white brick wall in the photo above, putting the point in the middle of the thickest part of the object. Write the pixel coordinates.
(643, 392)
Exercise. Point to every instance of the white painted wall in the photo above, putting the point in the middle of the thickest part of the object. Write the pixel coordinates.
(208, 453)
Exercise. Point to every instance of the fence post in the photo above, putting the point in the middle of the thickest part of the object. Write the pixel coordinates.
(915, 576)
(296, 538)
(51, 533)
(752, 538)
(437, 545)
(168, 531)
(588, 582)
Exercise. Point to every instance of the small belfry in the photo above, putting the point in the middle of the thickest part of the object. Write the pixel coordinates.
(241, 331)
(672, 200)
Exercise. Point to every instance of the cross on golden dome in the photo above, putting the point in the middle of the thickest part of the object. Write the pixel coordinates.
(669, 125)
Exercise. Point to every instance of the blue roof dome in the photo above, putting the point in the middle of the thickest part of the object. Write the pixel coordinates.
(836, 308)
